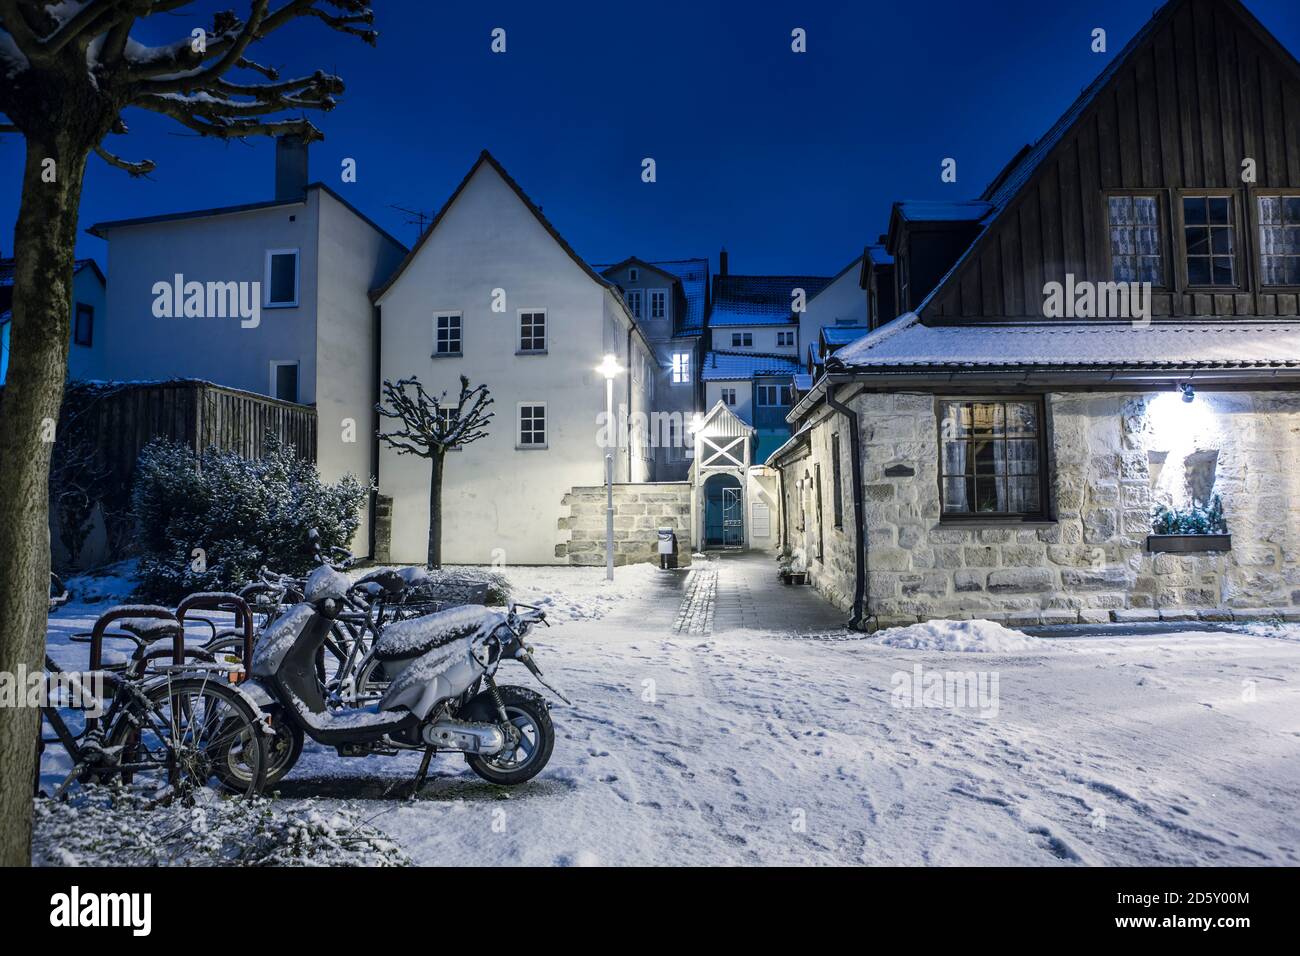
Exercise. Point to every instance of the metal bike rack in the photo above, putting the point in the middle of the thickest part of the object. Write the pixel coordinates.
(221, 601)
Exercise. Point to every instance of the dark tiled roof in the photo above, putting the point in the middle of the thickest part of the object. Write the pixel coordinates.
(694, 274)
(759, 300)
(7, 269)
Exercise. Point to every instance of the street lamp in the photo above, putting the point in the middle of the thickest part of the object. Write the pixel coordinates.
(609, 368)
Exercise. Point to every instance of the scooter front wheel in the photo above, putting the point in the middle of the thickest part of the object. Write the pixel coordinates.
(528, 712)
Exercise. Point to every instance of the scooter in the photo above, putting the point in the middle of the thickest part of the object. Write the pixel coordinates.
(441, 693)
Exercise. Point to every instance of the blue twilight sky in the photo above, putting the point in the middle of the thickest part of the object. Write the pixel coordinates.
(790, 161)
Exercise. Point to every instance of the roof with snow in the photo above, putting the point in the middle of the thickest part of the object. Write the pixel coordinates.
(924, 211)
(759, 300)
(837, 335)
(739, 366)
(879, 255)
(694, 274)
(694, 277)
(803, 381)
(1240, 343)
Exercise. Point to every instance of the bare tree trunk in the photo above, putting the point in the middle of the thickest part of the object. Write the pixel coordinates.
(44, 249)
(435, 510)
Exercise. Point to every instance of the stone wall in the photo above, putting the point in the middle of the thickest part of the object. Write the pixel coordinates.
(639, 511)
(1111, 457)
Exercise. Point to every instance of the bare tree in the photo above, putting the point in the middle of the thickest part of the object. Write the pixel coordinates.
(67, 71)
(430, 428)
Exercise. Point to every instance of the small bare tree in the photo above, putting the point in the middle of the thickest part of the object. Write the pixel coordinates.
(67, 72)
(430, 427)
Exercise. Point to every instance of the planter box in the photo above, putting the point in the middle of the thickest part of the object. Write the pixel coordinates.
(1189, 543)
(797, 577)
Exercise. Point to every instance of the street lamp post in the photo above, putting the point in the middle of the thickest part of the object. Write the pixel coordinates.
(609, 368)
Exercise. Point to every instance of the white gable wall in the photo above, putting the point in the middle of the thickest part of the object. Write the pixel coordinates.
(499, 503)
(842, 300)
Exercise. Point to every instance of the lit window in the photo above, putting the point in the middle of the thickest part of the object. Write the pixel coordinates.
(532, 331)
(446, 334)
(681, 368)
(1279, 240)
(1135, 247)
(1210, 235)
(532, 425)
(989, 461)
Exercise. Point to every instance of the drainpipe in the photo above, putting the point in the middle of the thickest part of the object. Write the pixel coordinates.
(629, 403)
(858, 620)
(784, 541)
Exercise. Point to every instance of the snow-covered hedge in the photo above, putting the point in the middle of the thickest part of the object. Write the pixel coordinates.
(209, 524)
(112, 829)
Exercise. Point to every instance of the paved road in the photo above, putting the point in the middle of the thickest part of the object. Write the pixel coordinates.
(740, 590)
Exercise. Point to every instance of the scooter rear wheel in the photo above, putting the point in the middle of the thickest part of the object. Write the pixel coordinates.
(528, 712)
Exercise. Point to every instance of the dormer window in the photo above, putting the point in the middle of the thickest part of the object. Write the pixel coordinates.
(1279, 240)
(1136, 247)
(1210, 240)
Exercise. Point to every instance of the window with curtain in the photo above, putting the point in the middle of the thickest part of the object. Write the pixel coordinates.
(1279, 240)
(1135, 244)
(990, 458)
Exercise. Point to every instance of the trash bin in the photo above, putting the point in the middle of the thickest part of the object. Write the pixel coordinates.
(667, 549)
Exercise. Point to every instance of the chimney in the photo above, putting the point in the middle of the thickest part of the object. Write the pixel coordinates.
(290, 167)
(722, 262)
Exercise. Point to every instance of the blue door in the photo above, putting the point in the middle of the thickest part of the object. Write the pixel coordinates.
(724, 513)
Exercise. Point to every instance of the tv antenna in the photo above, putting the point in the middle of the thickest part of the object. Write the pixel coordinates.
(414, 217)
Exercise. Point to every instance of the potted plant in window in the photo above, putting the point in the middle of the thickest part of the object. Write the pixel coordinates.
(1199, 527)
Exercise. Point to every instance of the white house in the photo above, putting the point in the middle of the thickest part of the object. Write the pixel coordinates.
(493, 292)
(840, 303)
(89, 314)
(282, 306)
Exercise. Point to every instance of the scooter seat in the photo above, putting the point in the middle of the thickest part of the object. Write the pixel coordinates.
(411, 638)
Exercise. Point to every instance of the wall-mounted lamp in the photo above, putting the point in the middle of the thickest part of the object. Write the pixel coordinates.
(1189, 394)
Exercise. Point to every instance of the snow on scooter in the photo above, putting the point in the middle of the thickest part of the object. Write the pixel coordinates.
(441, 692)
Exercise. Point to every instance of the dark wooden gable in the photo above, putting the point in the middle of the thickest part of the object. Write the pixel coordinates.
(1206, 87)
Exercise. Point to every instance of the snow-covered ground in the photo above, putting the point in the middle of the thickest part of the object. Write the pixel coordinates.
(748, 747)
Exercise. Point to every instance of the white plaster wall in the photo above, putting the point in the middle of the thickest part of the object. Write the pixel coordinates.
(764, 339)
(499, 502)
(88, 362)
(221, 249)
(744, 407)
(354, 259)
(843, 300)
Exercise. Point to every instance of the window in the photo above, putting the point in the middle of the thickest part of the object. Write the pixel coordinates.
(1209, 230)
(681, 368)
(784, 339)
(83, 329)
(742, 340)
(990, 455)
(1279, 240)
(281, 279)
(284, 381)
(658, 303)
(634, 275)
(837, 487)
(447, 418)
(532, 425)
(532, 331)
(774, 395)
(447, 334)
(633, 297)
(728, 396)
(817, 492)
(1136, 249)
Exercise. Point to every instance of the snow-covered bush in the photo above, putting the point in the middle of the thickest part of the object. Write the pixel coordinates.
(208, 524)
(110, 828)
(466, 586)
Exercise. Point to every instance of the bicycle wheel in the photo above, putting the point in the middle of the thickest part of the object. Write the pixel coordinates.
(191, 738)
